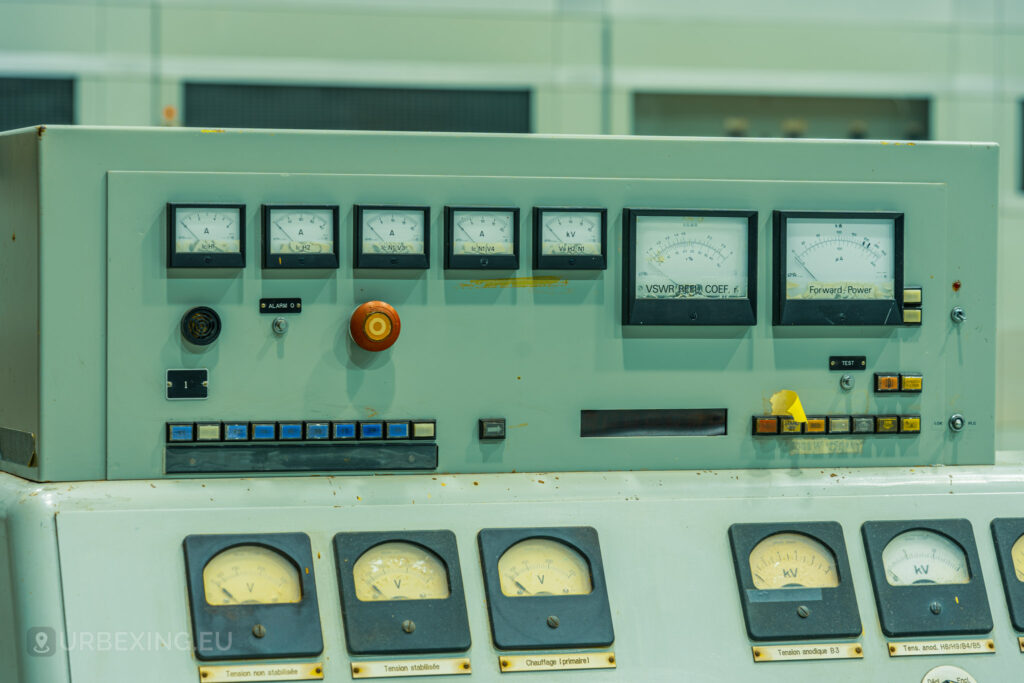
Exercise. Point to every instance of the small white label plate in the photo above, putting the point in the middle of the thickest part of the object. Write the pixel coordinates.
(401, 668)
(559, 661)
(975, 646)
(262, 672)
(790, 653)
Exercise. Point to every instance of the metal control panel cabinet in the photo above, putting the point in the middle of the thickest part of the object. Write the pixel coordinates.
(94, 313)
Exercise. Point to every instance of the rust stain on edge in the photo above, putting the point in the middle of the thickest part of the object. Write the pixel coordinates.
(507, 282)
(40, 130)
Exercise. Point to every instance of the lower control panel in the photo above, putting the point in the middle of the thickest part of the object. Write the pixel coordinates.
(789, 576)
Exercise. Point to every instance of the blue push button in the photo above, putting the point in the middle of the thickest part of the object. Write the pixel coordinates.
(344, 430)
(398, 430)
(264, 431)
(236, 431)
(316, 431)
(290, 430)
(181, 432)
(371, 430)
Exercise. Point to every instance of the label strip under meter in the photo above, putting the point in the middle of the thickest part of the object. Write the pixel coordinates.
(792, 653)
(556, 662)
(400, 668)
(975, 646)
(262, 672)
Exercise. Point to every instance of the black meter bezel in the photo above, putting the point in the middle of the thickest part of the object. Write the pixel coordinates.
(905, 611)
(177, 259)
(832, 612)
(542, 261)
(411, 261)
(830, 312)
(686, 312)
(289, 261)
(1005, 532)
(226, 631)
(375, 628)
(453, 261)
(520, 623)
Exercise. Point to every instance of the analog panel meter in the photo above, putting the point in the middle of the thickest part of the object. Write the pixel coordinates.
(300, 236)
(237, 582)
(400, 571)
(481, 238)
(570, 239)
(205, 235)
(838, 268)
(401, 592)
(924, 556)
(542, 566)
(1008, 534)
(794, 581)
(392, 236)
(251, 575)
(683, 267)
(927, 578)
(536, 577)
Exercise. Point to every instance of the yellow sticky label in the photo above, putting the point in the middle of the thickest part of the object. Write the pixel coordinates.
(786, 402)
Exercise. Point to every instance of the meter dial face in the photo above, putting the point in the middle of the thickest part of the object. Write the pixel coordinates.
(1017, 553)
(691, 257)
(251, 575)
(399, 571)
(393, 231)
(789, 560)
(543, 566)
(482, 233)
(840, 258)
(570, 233)
(921, 556)
(301, 231)
(207, 230)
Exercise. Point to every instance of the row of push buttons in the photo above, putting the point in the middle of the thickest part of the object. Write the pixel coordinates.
(771, 425)
(343, 430)
(905, 382)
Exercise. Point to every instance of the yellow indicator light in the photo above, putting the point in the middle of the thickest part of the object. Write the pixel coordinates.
(887, 383)
(886, 425)
(911, 316)
(912, 383)
(377, 326)
(815, 425)
(791, 426)
(839, 425)
(910, 424)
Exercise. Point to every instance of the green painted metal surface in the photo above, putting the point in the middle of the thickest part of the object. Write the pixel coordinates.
(536, 352)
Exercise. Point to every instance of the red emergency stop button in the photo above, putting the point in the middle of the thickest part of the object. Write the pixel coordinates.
(375, 325)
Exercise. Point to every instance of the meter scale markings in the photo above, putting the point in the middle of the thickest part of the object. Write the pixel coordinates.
(483, 233)
(399, 571)
(680, 258)
(567, 234)
(540, 566)
(840, 260)
(207, 231)
(301, 233)
(393, 232)
(789, 560)
(924, 557)
(251, 575)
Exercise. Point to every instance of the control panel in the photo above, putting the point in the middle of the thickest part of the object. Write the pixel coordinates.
(284, 304)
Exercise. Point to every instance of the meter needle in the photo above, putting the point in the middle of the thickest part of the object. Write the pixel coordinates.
(521, 587)
(466, 234)
(283, 232)
(225, 592)
(190, 232)
(555, 235)
(804, 266)
(379, 591)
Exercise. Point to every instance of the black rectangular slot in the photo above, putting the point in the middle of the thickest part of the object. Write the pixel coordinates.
(320, 457)
(658, 422)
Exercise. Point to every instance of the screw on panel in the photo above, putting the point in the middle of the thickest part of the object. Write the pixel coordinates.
(280, 325)
(803, 612)
(259, 630)
(846, 382)
(958, 315)
(956, 422)
(935, 607)
(408, 626)
(553, 621)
